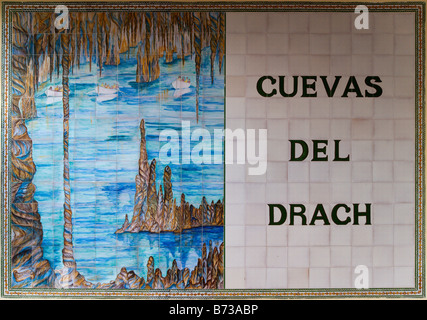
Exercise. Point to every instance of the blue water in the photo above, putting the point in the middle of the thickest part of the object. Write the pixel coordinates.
(103, 152)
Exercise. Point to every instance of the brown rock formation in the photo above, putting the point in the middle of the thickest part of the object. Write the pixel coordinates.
(29, 269)
(158, 211)
(207, 274)
(68, 276)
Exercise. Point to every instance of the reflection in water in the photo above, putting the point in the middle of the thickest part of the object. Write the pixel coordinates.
(106, 97)
(52, 100)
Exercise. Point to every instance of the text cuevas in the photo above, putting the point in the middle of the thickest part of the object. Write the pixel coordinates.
(269, 86)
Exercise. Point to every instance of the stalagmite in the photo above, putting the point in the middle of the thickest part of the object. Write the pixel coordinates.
(68, 276)
(67, 252)
(168, 198)
(159, 216)
(150, 217)
(158, 211)
(141, 182)
(205, 210)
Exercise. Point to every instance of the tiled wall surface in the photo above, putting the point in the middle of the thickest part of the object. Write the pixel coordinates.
(378, 133)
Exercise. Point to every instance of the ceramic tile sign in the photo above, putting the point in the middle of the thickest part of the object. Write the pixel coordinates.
(212, 150)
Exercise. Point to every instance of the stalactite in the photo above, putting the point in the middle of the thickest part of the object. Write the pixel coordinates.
(167, 36)
(79, 37)
(90, 25)
(221, 39)
(205, 38)
(99, 38)
(51, 48)
(181, 34)
(213, 19)
(198, 57)
(122, 34)
(37, 34)
(42, 48)
(113, 49)
(72, 44)
(148, 68)
(57, 56)
(128, 31)
(148, 28)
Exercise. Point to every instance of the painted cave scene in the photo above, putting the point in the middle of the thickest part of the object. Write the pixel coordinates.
(93, 203)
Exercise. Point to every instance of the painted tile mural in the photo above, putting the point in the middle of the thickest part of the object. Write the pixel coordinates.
(213, 150)
(100, 199)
